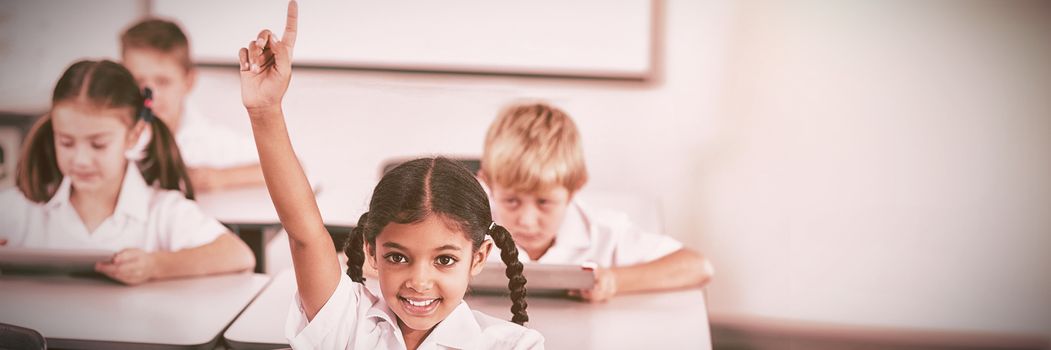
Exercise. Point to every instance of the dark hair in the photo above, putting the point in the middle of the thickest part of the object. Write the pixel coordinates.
(417, 189)
(104, 84)
(160, 35)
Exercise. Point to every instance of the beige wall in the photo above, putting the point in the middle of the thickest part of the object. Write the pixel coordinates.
(883, 163)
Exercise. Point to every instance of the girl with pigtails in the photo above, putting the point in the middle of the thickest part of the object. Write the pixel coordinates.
(425, 233)
(82, 183)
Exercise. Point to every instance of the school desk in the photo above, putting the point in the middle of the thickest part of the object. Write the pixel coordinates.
(676, 319)
(96, 313)
(249, 212)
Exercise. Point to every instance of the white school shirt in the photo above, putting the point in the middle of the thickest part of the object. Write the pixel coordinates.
(608, 241)
(145, 217)
(204, 143)
(354, 318)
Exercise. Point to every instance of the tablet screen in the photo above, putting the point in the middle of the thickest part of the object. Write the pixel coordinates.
(540, 278)
(21, 259)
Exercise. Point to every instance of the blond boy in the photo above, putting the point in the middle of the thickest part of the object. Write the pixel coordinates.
(533, 165)
(157, 53)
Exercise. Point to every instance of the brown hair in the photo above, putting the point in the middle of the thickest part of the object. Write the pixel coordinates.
(103, 84)
(533, 147)
(436, 186)
(159, 35)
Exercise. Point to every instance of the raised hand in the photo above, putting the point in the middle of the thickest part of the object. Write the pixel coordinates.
(266, 65)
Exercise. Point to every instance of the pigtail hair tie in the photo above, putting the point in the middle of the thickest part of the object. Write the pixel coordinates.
(147, 111)
(491, 225)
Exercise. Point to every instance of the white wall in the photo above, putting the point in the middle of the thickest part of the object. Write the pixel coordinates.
(883, 163)
(861, 162)
(40, 39)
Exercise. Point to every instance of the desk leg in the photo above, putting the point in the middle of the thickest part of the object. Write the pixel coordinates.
(255, 236)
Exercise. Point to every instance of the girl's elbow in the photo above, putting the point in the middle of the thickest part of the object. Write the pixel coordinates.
(243, 257)
(246, 260)
(707, 272)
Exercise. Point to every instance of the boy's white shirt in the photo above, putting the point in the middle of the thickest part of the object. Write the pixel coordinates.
(355, 318)
(607, 240)
(204, 143)
(145, 217)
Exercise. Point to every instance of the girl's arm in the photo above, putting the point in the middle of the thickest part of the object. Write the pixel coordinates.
(226, 253)
(266, 69)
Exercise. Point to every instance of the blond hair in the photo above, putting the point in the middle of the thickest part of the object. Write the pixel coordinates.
(533, 147)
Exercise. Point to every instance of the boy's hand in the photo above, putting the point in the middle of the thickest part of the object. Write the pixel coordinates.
(130, 266)
(604, 289)
(266, 65)
(3, 242)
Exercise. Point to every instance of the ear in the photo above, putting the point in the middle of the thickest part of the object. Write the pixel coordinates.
(134, 134)
(480, 257)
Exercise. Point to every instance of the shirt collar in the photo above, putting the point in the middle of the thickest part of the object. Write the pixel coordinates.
(381, 311)
(134, 197)
(573, 235)
(455, 331)
(61, 196)
(458, 329)
(131, 202)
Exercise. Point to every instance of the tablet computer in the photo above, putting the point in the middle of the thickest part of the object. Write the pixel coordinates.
(541, 279)
(43, 260)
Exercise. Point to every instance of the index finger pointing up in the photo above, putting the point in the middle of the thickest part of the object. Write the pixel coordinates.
(291, 23)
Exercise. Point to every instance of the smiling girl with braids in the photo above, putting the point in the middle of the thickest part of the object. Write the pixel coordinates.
(424, 232)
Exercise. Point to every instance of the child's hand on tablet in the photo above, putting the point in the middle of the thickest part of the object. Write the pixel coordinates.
(266, 65)
(130, 266)
(605, 287)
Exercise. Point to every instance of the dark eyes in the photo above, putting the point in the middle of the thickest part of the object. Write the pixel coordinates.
(396, 258)
(444, 260)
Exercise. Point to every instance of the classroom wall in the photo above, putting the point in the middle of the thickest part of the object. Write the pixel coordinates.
(879, 163)
(869, 163)
(883, 163)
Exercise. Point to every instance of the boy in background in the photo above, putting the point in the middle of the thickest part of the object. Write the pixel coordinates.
(157, 53)
(533, 165)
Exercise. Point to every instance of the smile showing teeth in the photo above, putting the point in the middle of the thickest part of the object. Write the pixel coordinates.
(420, 303)
(420, 307)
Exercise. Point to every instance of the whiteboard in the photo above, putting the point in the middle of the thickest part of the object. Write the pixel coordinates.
(589, 38)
